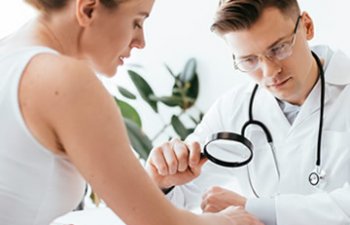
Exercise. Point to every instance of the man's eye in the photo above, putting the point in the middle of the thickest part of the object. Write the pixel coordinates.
(279, 48)
(249, 61)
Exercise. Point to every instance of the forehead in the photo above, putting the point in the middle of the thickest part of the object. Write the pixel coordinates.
(271, 26)
(135, 6)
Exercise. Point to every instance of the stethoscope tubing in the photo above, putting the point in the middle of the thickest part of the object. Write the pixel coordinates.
(314, 177)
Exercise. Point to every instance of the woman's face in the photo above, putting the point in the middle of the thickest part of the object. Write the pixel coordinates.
(113, 33)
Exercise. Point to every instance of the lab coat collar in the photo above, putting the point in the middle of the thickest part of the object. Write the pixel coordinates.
(336, 66)
(267, 104)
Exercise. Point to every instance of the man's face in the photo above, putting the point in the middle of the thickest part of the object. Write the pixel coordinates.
(291, 78)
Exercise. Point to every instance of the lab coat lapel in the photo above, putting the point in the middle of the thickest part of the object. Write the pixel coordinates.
(269, 112)
(310, 106)
(335, 74)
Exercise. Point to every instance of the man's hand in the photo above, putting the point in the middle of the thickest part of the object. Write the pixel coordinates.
(217, 199)
(174, 163)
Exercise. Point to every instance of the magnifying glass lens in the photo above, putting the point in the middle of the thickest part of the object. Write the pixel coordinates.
(228, 153)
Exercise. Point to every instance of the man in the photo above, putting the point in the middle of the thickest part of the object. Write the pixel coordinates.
(269, 42)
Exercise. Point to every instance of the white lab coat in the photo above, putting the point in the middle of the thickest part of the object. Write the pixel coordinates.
(296, 201)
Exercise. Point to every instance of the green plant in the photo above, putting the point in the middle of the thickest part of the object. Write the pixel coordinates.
(184, 93)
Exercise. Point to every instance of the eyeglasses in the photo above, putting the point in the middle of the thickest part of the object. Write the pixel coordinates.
(279, 51)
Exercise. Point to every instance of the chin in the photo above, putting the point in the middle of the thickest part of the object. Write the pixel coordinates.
(108, 72)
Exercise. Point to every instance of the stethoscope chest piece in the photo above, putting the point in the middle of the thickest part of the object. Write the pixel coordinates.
(316, 175)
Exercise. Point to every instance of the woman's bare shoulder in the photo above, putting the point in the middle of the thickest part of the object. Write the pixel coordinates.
(52, 68)
(55, 78)
(55, 89)
(50, 75)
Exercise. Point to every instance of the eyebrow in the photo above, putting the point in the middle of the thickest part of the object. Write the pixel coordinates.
(145, 14)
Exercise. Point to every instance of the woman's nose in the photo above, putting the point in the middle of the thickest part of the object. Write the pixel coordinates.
(139, 41)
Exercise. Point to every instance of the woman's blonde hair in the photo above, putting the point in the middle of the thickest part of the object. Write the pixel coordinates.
(47, 5)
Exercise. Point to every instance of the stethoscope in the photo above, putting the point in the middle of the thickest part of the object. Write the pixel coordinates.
(215, 139)
(318, 173)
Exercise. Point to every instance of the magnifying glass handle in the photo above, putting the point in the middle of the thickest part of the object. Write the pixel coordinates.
(203, 156)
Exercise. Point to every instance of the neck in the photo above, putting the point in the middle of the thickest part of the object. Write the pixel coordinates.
(311, 81)
(314, 75)
(57, 32)
(50, 37)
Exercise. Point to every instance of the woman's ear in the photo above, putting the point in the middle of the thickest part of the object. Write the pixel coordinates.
(308, 25)
(85, 10)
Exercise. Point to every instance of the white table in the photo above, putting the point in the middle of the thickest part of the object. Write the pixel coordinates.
(95, 216)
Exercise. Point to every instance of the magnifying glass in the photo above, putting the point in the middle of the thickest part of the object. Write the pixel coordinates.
(228, 149)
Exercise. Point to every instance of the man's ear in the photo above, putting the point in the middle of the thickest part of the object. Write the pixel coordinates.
(85, 10)
(308, 25)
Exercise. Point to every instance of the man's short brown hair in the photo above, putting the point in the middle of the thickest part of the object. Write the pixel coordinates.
(234, 15)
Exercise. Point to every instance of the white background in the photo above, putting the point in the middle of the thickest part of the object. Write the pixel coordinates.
(178, 30)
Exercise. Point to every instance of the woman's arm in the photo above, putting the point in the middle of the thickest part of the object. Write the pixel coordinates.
(73, 107)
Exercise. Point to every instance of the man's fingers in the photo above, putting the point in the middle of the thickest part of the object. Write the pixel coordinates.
(157, 160)
(195, 154)
(170, 158)
(181, 152)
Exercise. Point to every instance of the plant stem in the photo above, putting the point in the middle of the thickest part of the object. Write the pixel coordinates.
(160, 132)
(166, 125)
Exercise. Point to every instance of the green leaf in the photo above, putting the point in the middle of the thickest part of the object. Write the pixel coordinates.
(188, 93)
(193, 87)
(138, 139)
(129, 112)
(201, 115)
(135, 65)
(126, 93)
(143, 88)
(189, 70)
(179, 127)
(178, 83)
(190, 131)
(171, 101)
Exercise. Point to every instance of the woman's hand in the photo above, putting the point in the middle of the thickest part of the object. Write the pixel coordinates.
(238, 216)
(217, 199)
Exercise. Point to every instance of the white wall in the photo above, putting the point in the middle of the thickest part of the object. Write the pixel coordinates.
(331, 19)
(13, 13)
(178, 30)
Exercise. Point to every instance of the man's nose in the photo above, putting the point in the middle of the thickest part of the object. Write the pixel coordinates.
(270, 67)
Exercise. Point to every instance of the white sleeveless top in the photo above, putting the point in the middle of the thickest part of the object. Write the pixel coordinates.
(36, 185)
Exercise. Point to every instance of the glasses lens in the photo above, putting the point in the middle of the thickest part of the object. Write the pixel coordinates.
(249, 64)
(283, 50)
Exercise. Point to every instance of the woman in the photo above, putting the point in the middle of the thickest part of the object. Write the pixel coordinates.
(58, 123)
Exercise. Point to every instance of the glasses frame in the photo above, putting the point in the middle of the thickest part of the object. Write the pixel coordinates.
(267, 54)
